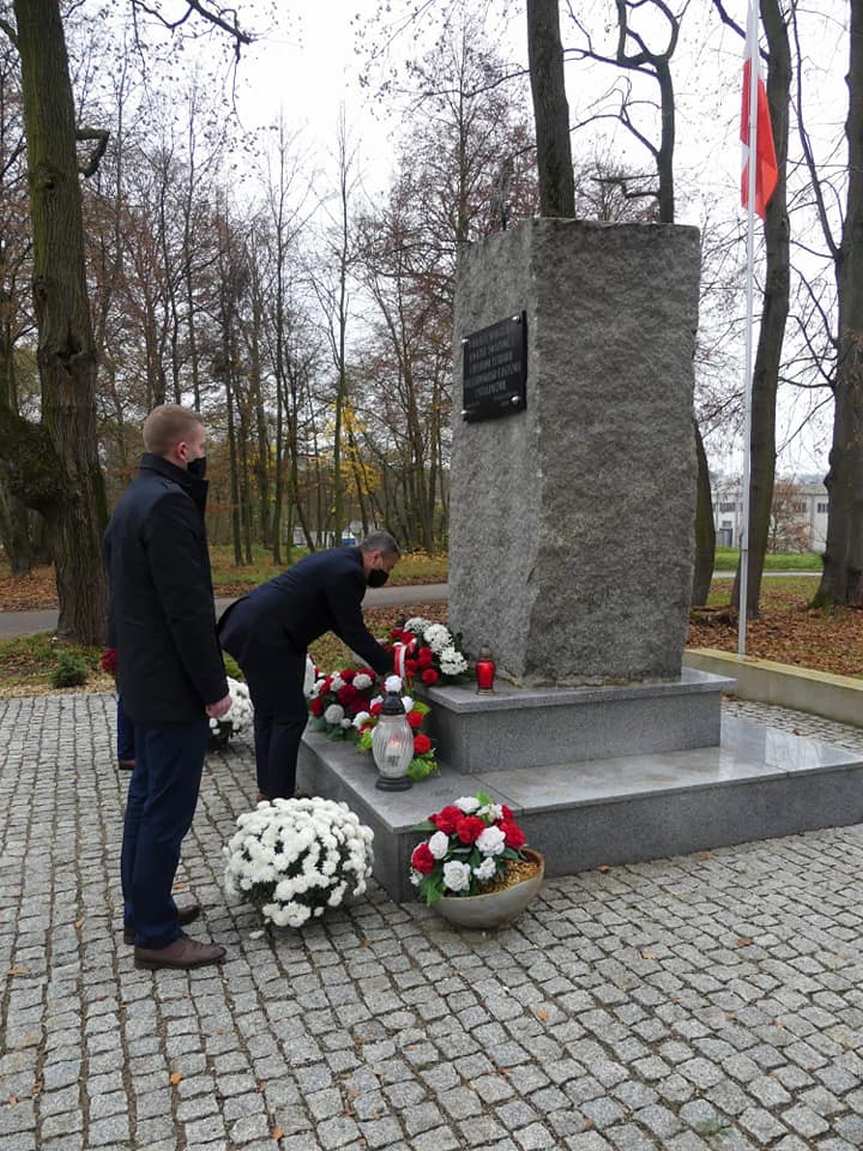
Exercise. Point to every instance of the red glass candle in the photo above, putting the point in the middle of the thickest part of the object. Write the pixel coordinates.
(484, 669)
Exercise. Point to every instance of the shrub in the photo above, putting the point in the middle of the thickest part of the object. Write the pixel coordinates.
(70, 670)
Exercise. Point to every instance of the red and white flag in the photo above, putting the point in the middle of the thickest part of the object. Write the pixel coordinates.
(766, 169)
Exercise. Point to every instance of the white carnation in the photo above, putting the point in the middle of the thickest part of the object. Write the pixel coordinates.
(334, 714)
(456, 875)
(360, 718)
(337, 682)
(362, 682)
(492, 841)
(407, 703)
(486, 869)
(467, 804)
(417, 624)
(437, 637)
(452, 662)
(439, 844)
(347, 724)
(492, 812)
(393, 683)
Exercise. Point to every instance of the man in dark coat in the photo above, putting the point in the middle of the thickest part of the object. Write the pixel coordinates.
(169, 672)
(269, 630)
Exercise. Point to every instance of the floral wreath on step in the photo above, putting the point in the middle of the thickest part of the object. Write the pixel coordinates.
(346, 704)
(432, 652)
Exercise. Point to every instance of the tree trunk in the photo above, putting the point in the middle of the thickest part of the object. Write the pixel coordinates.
(843, 557)
(765, 376)
(705, 532)
(278, 497)
(66, 353)
(665, 153)
(14, 526)
(550, 109)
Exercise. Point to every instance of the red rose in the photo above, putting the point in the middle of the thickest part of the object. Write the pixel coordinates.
(425, 657)
(446, 819)
(347, 694)
(316, 707)
(430, 677)
(108, 662)
(422, 743)
(415, 719)
(507, 813)
(326, 685)
(356, 706)
(348, 674)
(396, 634)
(422, 859)
(469, 828)
(411, 666)
(375, 708)
(515, 837)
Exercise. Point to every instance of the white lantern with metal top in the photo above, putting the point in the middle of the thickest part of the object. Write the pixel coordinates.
(393, 745)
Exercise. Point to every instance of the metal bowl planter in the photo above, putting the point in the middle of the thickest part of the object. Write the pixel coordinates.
(496, 908)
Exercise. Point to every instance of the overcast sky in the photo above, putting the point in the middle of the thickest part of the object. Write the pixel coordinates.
(311, 66)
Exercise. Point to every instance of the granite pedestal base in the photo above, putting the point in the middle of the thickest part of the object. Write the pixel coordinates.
(757, 783)
(524, 727)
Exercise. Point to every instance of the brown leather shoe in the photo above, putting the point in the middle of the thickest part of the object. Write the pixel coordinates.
(185, 915)
(183, 954)
(126, 764)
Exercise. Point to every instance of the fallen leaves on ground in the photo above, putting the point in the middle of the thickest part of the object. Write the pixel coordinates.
(788, 630)
(36, 591)
(330, 653)
(175, 1078)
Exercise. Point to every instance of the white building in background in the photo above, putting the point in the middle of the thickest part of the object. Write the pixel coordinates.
(800, 511)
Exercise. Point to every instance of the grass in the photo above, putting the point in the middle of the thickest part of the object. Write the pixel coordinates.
(773, 591)
(726, 561)
(413, 568)
(31, 661)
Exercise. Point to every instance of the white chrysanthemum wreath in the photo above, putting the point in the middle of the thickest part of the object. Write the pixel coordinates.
(294, 858)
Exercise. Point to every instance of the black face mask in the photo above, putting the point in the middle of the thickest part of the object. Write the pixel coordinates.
(198, 467)
(377, 577)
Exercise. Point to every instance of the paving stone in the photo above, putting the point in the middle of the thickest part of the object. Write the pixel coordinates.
(384, 1029)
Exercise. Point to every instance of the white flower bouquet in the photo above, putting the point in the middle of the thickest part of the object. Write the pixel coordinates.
(294, 858)
(433, 651)
(237, 718)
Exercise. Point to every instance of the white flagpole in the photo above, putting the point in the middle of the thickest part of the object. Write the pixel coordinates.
(752, 39)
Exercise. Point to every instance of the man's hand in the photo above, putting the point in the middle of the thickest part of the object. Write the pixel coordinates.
(217, 710)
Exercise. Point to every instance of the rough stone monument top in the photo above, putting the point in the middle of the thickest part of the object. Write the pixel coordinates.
(571, 522)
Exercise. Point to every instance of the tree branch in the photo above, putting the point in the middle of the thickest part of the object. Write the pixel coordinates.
(732, 23)
(10, 30)
(101, 136)
(224, 18)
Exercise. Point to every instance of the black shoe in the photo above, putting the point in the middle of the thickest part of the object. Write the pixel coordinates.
(125, 764)
(185, 916)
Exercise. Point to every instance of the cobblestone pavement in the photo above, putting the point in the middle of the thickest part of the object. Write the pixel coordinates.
(712, 1001)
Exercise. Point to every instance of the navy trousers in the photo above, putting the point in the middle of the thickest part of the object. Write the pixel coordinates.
(275, 676)
(163, 794)
(125, 734)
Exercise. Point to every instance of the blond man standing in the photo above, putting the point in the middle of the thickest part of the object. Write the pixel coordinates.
(170, 675)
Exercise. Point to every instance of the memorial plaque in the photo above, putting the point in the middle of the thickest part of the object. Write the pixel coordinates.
(495, 369)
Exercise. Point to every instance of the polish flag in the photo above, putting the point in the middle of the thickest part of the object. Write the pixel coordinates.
(766, 169)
